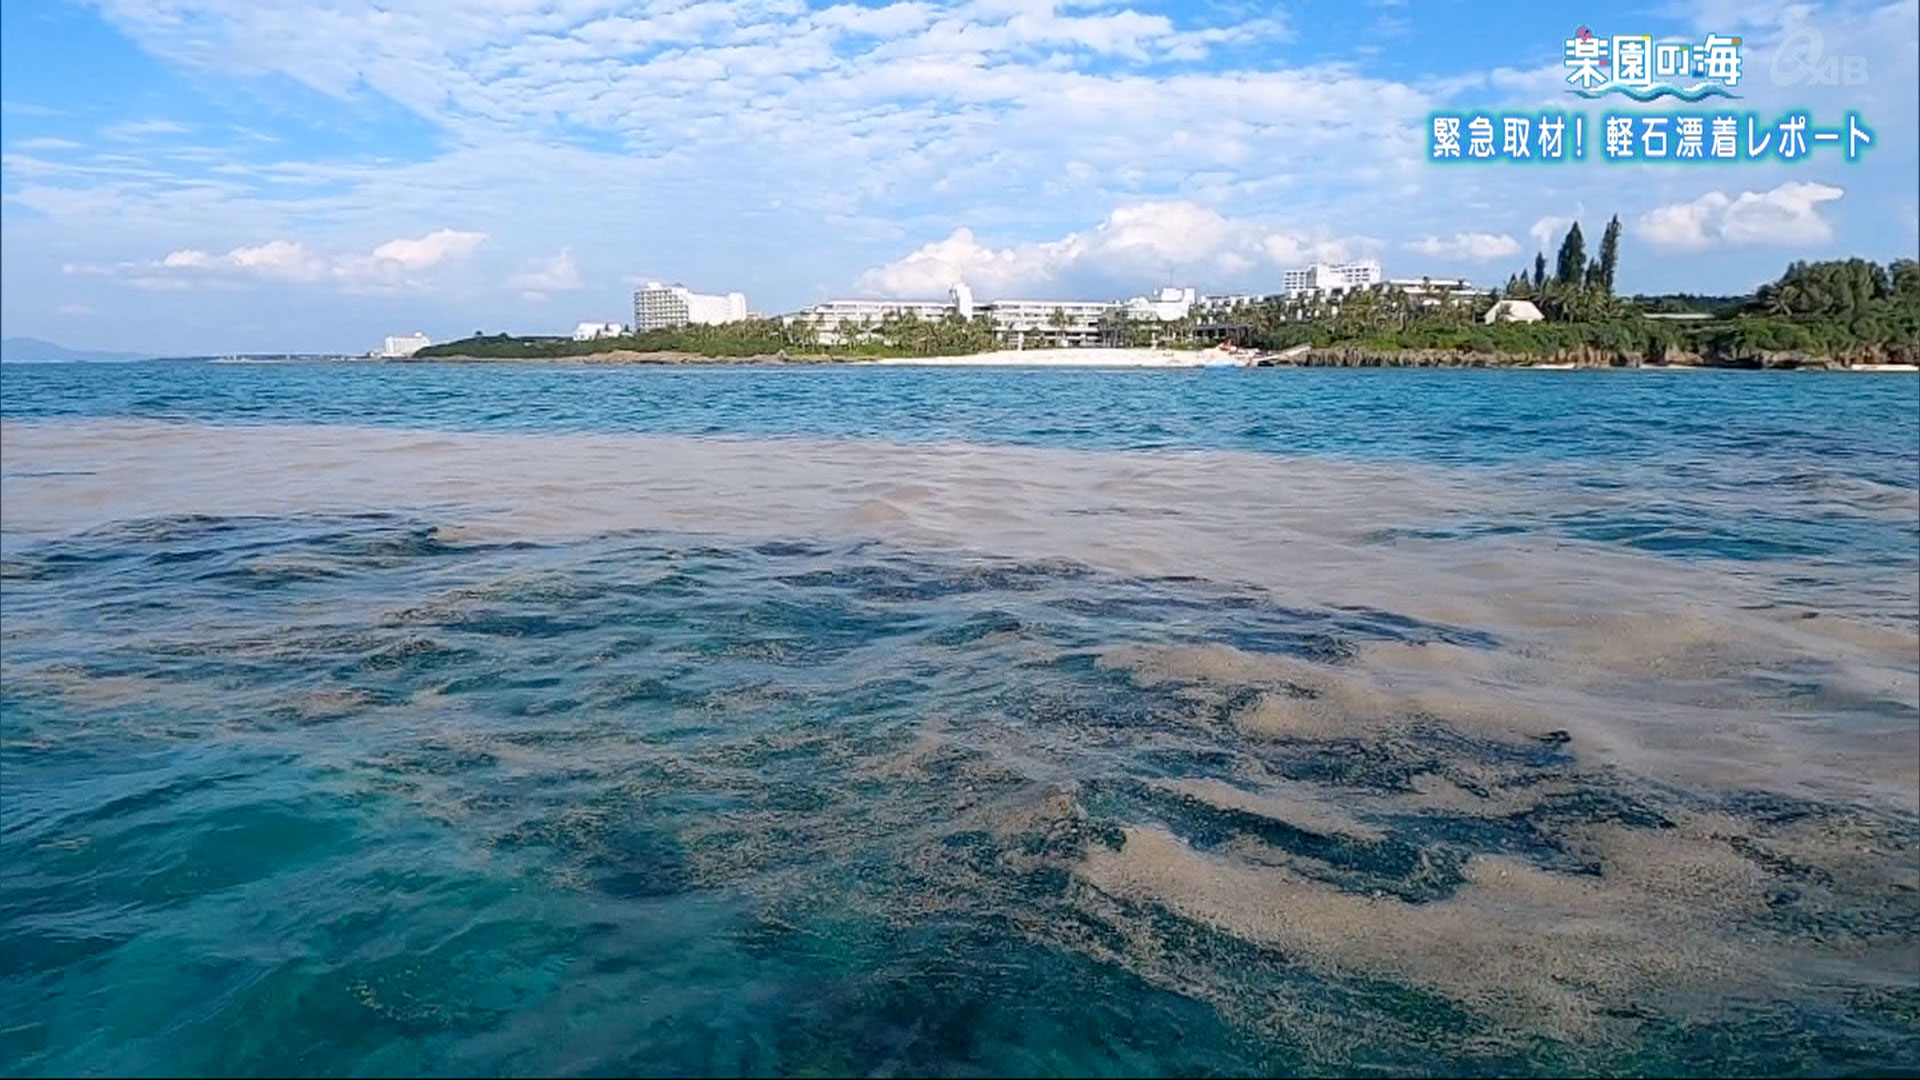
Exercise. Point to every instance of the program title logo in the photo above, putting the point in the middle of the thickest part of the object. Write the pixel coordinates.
(1645, 70)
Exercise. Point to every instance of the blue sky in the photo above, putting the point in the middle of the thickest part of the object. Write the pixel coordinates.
(229, 175)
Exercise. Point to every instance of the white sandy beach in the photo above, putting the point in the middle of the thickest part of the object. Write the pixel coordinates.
(1168, 358)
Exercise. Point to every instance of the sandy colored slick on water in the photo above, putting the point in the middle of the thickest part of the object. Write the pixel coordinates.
(1659, 664)
(1606, 785)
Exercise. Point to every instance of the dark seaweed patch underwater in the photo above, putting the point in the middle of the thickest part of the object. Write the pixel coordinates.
(353, 794)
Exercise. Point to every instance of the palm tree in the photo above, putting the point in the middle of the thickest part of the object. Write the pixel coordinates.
(1058, 320)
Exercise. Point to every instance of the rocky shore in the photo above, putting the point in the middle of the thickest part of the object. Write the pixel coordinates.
(1893, 358)
(629, 356)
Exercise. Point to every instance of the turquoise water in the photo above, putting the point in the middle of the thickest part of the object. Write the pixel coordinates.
(441, 719)
(1675, 420)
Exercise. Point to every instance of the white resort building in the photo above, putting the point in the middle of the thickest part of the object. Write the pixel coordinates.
(1066, 323)
(1018, 323)
(1080, 323)
(1170, 304)
(594, 331)
(662, 307)
(1431, 292)
(1330, 278)
(1224, 302)
(837, 322)
(830, 317)
(402, 346)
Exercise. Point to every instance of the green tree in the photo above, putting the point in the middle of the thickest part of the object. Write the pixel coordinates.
(1904, 280)
(1058, 320)
(1572, 264)
(1539, 270)
(1117, 327)
(1609, 255)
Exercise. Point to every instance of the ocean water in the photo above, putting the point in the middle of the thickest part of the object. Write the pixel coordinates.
(459, 719)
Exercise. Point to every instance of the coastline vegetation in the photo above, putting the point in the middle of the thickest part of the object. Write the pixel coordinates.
(1839, 312)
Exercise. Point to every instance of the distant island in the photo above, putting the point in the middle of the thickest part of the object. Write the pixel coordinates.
(1851, 313)
(26, 350)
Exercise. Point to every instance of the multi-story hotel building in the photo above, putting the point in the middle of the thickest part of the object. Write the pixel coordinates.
(1434, 291)
(1330, 278)
(661, 307)
(1018, 323)
(839, 322)
(401, 346)
(1170, 304)
(836, 322)
(1040, 323)
(1049, 322)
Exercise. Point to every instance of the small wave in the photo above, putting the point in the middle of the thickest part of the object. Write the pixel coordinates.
(1654, 93)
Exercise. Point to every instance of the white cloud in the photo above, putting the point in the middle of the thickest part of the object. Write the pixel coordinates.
(899, 96)
(1470, 246)
(1716, 16)
(822, 139)
(1787, 216)
(1688, 226)
(275, 258)
(73, 309)
(1548, 229)
(158, 284)
(894, 20)
(543, 276)
(394, 264)
(430, 249)
(1136, 247)
(46, 143)
(143, 129)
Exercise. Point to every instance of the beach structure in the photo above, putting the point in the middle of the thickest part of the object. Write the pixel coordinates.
(1432, 291)
(1513, 311)
(1170, 304)
(401, 346)
(594, 331)
(662, 307)
(1222, 302)
(1330, 283)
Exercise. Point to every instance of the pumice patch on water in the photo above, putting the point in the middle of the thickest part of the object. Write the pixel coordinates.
(1214, 783)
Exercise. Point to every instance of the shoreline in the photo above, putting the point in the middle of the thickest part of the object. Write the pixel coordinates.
(1081, 357)
(1162, 358)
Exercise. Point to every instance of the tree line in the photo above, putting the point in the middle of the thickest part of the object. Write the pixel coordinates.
(1844, 309)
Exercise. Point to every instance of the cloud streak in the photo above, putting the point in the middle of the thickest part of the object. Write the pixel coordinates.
(796, 151)
(1135, 247)
(1786, 216)
(542, 276)
(394, 264)
(1467, 246)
